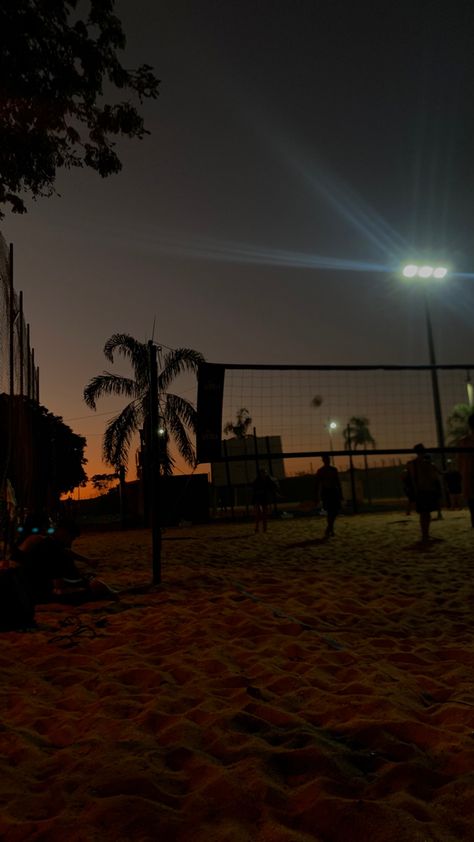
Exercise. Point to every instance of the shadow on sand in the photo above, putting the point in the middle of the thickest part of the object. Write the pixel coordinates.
(424, 546)
(312, 542)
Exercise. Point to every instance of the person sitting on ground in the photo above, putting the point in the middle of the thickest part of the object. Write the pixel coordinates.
(426, 484)
(328, 492)
(50, 565)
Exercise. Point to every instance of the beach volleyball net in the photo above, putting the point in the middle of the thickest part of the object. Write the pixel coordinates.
(375, 413)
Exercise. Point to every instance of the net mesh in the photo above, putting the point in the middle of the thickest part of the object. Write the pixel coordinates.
(311, 408)
(363, 415)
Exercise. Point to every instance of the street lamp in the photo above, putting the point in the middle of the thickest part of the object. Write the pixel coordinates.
(332, 426)
(426, 271)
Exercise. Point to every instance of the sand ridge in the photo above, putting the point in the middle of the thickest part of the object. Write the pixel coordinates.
(275, 687)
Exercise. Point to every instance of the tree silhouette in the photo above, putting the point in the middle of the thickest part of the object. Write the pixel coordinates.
(239, 428)
(57, 60)
(177, 415)
(357, 434)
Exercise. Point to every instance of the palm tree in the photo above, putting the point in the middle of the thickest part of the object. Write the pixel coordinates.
(357, 433)
(239, 428)
(177, 416)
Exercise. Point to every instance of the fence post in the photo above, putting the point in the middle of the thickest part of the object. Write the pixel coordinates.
(230, 487)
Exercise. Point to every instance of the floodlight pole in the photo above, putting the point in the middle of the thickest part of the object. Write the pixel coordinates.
(154, 465)
(434, 383)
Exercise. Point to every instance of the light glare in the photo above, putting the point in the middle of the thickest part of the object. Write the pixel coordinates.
(425, 271)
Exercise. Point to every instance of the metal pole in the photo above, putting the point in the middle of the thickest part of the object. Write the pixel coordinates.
(230, 488)
(435, 384)
(28, 362)
(11, 319)
(255, 446)
(331, 453)
(154, 466)
(351, 470)
(22, 344)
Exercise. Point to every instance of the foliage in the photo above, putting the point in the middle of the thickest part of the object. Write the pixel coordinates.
(177, 415)
(457, 424)
(60, 452)
(240, 427)
(102, 482)
(357, 433)
(56, 59)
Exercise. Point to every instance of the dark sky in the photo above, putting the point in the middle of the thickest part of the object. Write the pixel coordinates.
(289, 137)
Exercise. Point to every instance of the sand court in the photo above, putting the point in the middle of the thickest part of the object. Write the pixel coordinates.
(275, 687)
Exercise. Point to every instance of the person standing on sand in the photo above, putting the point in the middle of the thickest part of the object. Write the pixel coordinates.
(426, 484)
(264, 489)
(328, 492)
(466, 467)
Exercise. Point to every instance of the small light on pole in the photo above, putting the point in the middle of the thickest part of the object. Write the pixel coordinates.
(332, 426)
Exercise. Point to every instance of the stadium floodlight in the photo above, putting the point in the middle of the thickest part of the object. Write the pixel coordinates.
(411, 270)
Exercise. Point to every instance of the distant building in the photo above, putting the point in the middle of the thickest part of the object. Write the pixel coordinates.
(262, 452)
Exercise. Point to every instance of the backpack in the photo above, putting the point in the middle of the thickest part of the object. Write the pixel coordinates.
(17, 607)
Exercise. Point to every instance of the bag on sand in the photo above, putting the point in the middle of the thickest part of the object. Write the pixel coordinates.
(17, 608)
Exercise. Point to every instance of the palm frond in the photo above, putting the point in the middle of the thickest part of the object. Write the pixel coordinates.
(108, 384)
(132, 350)
(177, 362)
(167, 462)
(180, 416)
(118, 435)
(182, 408)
